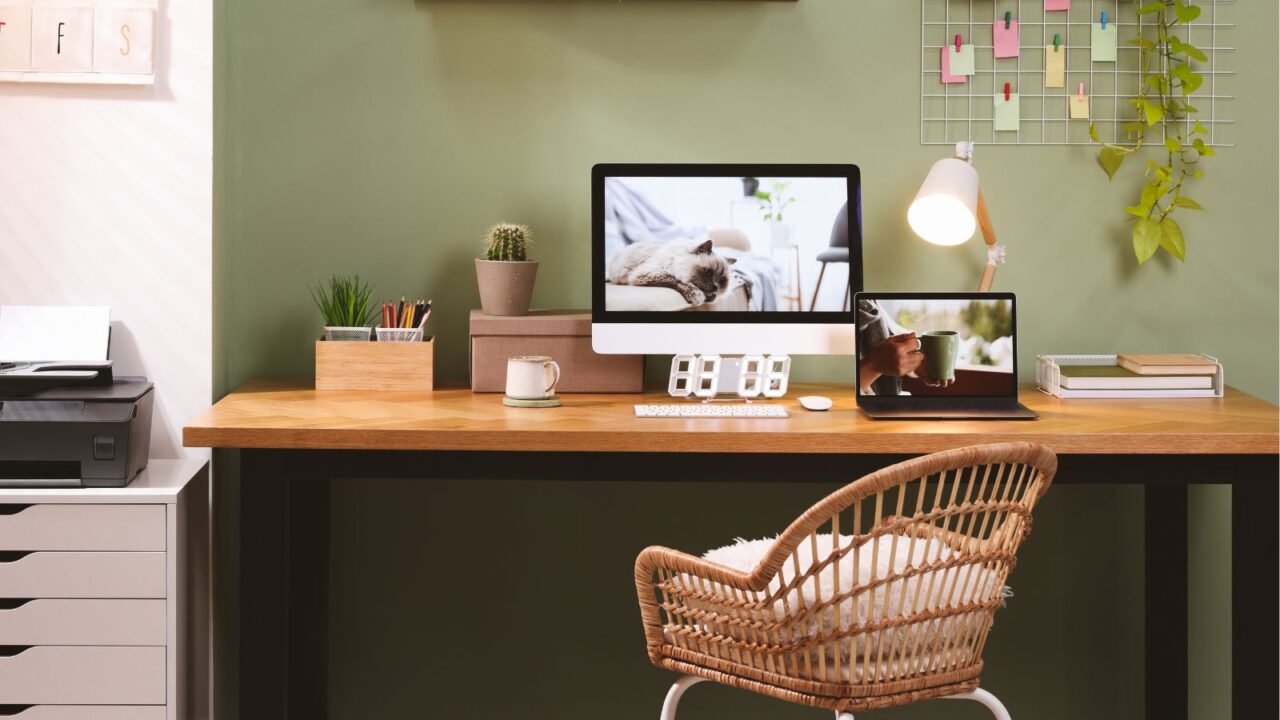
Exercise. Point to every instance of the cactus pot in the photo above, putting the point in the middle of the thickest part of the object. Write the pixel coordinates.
(506, 286)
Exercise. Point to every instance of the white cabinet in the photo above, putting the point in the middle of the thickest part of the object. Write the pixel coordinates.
(104, 598)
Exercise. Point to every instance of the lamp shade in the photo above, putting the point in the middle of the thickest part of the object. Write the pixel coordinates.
(945, 210)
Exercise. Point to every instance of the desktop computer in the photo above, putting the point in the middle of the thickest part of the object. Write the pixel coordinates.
(730, 268)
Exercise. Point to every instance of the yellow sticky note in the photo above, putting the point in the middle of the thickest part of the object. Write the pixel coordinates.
(1055, 66)
(1008, 113)
(1103, 43)
(960, 63)
(1079, 107)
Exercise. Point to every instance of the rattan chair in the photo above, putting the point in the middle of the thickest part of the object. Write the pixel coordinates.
(895, 632)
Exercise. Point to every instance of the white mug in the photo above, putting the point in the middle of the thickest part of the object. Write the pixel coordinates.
(532, 377)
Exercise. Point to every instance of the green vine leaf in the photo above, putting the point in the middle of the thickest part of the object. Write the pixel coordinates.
(1110, 158)
(1146, 239)
(1172, 145)
(1204, 150)
(1194, 52)
(1171, 239)
(1150, 8)
(1191, 80)
(1153, 112)
(1186, 13)
(1188, 203)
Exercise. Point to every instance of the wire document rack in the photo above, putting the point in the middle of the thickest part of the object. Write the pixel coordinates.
(951, 113)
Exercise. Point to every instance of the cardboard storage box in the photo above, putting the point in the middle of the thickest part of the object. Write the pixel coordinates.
(375, 365)
(562, 335)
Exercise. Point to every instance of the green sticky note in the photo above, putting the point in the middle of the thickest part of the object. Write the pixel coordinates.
(1103, 43)
(1008, 113)
(961, 63)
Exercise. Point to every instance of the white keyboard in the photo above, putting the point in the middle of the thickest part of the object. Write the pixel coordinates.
(710, 410)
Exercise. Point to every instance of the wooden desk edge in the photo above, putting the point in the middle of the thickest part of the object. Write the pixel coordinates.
(212, 431)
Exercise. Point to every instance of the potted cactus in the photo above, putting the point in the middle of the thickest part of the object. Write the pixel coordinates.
(505, 274)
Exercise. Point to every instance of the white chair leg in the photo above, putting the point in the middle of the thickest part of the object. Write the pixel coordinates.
(987, 699)
(673, 695)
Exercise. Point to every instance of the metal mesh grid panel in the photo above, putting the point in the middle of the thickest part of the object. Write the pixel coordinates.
(958, 112)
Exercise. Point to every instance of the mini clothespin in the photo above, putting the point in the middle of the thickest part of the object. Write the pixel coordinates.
(1104, 20)
(1007, 91)
(1057, 40)
(1008, 18)
(1080, 90)
(957, 42)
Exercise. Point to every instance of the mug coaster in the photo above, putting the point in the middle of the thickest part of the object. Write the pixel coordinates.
(553, 401)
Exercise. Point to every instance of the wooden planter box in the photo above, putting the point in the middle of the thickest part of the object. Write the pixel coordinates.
(375, 365)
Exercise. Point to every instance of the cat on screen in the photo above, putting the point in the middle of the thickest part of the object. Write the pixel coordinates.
(689, 267)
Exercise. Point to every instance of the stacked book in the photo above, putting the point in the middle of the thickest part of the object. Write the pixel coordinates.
(1135, 376)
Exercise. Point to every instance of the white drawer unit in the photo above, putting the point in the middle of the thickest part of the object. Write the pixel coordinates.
(82, 575)
(104, 599)
(88, 712)
(81, 527)
(73, 675)
(61, 621)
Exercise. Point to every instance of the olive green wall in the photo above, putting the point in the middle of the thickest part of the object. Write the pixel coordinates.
(383, 136)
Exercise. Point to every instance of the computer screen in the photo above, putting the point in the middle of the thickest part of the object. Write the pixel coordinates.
(726, 244)
(932, 346)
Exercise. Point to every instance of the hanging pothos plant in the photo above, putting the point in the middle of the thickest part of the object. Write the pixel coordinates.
(1166, 81)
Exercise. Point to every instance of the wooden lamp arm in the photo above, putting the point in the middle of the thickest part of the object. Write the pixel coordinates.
(988, 235)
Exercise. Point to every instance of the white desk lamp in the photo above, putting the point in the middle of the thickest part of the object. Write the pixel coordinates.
(949, 207)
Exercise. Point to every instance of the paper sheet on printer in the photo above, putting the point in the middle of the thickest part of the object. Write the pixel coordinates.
(47, 333)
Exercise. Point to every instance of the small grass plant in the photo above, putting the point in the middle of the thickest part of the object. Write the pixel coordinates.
(344, 301)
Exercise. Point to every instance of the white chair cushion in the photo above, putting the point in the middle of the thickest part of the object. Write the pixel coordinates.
(929, 590)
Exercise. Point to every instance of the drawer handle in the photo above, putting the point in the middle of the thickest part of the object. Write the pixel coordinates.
(13, 604)
(13, 710)
(13, 650)
(11, 509)
(9, 556)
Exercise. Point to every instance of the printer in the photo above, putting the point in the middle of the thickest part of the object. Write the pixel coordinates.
(70, 423)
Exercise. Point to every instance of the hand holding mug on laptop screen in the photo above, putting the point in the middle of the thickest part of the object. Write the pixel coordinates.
(940, 348)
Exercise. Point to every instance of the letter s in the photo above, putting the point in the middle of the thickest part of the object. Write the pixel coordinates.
(124, 33)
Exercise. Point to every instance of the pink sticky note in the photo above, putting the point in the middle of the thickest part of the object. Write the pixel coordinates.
(947, 77)
(1057, 4)
(1005, 41)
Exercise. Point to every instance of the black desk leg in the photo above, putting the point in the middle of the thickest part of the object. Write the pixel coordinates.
(264, 506)
(284, 598)
(1255, 592)
(309, 599)
(1166, 601)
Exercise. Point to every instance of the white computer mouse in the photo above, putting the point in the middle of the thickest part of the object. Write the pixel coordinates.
(815, 402)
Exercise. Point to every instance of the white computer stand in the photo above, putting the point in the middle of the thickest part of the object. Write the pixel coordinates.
(743, 377)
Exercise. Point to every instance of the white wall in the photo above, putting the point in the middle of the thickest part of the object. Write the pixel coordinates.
(106, 198)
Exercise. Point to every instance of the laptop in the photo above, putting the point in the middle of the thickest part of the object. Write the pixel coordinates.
(938, 356)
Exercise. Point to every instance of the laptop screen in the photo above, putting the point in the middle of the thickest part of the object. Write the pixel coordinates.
(930, 345)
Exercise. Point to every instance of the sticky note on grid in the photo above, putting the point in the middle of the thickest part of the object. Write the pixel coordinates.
(1007, 113)
(947, 77)
(1005, 41)
(1055, 66)
(960, 63)
(1079, 106)
(1057, 4)
(1103, 43)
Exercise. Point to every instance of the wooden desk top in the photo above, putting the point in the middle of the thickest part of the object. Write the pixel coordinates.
(282, 414)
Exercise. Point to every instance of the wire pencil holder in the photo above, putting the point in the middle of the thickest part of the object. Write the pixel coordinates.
(402, 335)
